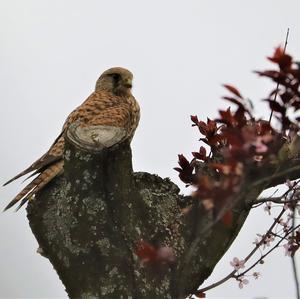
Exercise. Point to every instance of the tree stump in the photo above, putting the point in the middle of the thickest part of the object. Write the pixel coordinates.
(89, 221)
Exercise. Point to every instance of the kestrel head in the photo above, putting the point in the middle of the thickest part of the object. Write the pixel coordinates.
(116, 80)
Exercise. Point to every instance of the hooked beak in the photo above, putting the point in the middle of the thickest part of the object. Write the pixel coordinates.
(127, 83)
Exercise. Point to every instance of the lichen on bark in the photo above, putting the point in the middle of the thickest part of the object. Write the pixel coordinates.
(89, 220)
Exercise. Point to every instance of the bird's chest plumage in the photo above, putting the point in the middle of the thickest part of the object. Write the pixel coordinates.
(134, 109)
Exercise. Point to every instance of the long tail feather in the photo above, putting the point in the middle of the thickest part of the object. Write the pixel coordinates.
(38, 165)
(37, 184)
(23, 201)
(53, 155)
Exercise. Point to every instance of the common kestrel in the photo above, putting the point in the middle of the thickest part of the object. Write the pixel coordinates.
(111, 104)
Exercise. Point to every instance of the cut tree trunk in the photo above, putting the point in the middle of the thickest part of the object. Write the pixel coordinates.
(90, 220)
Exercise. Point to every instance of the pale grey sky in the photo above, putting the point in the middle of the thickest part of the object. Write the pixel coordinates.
(180, 52)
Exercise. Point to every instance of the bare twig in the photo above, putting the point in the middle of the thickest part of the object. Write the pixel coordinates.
(257, 247)
(275, 200)
(294, 259)
(278, 236)
(268, 252)
(296, 276)
(231, 275)
(270, 232)
(277, 87)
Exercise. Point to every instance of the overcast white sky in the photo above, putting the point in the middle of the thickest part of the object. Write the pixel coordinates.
(180, 52)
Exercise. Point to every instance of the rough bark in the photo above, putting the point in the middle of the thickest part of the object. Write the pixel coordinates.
(89, 220)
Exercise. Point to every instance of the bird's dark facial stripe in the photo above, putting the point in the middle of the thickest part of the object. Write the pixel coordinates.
(118, 81)
(116, 78)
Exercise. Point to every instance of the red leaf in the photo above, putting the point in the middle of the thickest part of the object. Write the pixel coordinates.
(286, 96)
(212, 126)
(202, 127)
(146, 252)
(202, 150)
(201, 155)
(296, 72)
(274, 75)
(275, 106)
(182, 161)
(194, 119)
(233, 89)
(200, 295)
(233, 137)
(283, 60)
(150, 255)
(186, 170)
(263, 127)
(214, 140)
(207, 129)
(197, 155)
(277, 55)
(227, 118)
(205, 183)
(240, 117)
(227, 219)
(233, 100)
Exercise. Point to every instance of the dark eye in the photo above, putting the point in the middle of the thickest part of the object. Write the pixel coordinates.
(116, 77)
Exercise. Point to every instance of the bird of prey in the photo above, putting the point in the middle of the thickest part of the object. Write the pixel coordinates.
(111, 104)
